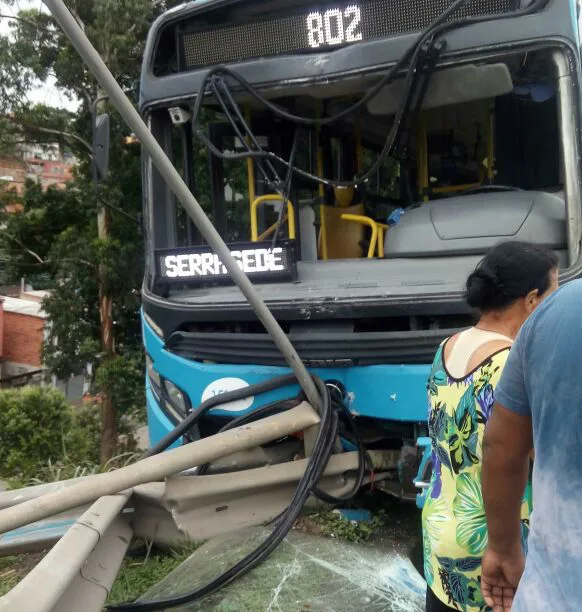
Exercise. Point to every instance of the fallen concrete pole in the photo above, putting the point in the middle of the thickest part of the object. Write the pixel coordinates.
(176, 183)
(14, 497)
(46, 584)
(158, 467)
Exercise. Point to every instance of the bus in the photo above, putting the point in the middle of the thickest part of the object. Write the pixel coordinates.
(359, 157)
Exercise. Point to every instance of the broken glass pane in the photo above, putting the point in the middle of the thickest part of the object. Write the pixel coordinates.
(305, 574)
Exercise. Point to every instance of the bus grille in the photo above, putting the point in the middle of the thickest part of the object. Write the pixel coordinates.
(315, 349)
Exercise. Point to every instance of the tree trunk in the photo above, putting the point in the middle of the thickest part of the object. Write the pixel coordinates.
(108, 403)
(108, 406)
(108, 427)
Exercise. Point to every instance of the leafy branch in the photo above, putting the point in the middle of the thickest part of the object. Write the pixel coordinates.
(27, 22)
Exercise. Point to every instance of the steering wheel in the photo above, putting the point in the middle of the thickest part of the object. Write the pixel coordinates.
(485, 188)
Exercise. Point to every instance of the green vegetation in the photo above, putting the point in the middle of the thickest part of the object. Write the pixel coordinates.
(34, 424)
(52, 241)
(138, 575)
(43, 439)
(334, 525)
(14, 568)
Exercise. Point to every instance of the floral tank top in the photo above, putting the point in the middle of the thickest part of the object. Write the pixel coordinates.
(453, 518)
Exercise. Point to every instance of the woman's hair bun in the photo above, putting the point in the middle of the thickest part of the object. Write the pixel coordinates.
(481, 284)
(508, 272)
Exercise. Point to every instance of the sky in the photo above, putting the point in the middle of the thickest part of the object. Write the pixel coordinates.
(45, 93)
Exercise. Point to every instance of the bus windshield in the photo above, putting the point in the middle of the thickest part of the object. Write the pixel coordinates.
(391, 173)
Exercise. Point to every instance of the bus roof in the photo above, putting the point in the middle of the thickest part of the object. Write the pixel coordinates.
(555, 22)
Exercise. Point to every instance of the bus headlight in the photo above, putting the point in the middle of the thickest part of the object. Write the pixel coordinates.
(155, 327)
(154, 377)
(176, 398)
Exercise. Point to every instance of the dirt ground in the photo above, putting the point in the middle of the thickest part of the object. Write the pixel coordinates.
(399, 530)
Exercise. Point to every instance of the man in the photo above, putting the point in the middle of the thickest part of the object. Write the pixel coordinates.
(539, 401)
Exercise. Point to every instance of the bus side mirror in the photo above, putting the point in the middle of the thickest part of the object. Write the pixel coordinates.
(101, 143)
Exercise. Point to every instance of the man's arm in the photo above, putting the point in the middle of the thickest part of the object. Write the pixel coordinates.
(506, 447)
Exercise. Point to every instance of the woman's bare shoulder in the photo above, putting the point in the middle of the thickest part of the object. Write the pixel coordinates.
(483, 353)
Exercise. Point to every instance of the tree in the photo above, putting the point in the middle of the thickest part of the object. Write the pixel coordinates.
(54, 239)
(56, 232)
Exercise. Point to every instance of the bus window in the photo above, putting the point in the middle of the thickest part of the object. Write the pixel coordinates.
(482, 127)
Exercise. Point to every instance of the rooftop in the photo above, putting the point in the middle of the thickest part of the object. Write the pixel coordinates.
(31, 307)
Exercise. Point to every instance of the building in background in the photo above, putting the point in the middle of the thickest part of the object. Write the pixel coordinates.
(13, 174)
(49, 151)
(23, 328)
(22, 331)
(50, 173)
(47, 164)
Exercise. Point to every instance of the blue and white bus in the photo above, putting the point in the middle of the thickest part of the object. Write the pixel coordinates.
(385, 145)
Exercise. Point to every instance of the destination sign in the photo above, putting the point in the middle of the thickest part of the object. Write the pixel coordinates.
(226, 32)
(200, 265)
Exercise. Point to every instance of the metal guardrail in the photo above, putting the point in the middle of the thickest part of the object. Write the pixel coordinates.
(77, 574)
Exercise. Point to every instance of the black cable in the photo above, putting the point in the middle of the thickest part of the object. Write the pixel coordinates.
(276, 184)
(402, 144)
(437, 28)
(413, 53)
(419, 53)
(281, 406)
(418, 89)
(220, 89)
(363, 461)
(288, 183)
(316, 465)
(250, 417)
(231, 396)
(284, 114)
(283, 188)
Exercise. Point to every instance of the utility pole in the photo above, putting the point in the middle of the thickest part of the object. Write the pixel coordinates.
(99, 167)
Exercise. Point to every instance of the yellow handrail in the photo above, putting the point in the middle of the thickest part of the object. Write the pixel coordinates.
(272, 197)
(371, 224)
(422, 158)
(319, 162)
(271, 230)
(382, 227)
(250, 163)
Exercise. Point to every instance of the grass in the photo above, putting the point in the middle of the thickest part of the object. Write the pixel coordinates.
(334, 525)
(137, 575)
(66, 469)
(14, 568)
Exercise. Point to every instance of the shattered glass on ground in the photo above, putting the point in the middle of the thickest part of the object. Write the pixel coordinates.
(305, 574)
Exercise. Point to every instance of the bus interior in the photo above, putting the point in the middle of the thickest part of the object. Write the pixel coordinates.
(483, 154)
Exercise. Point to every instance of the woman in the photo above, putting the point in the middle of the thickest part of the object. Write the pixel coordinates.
(505, 288)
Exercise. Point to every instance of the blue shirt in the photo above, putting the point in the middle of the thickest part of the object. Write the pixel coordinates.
(543, 379)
